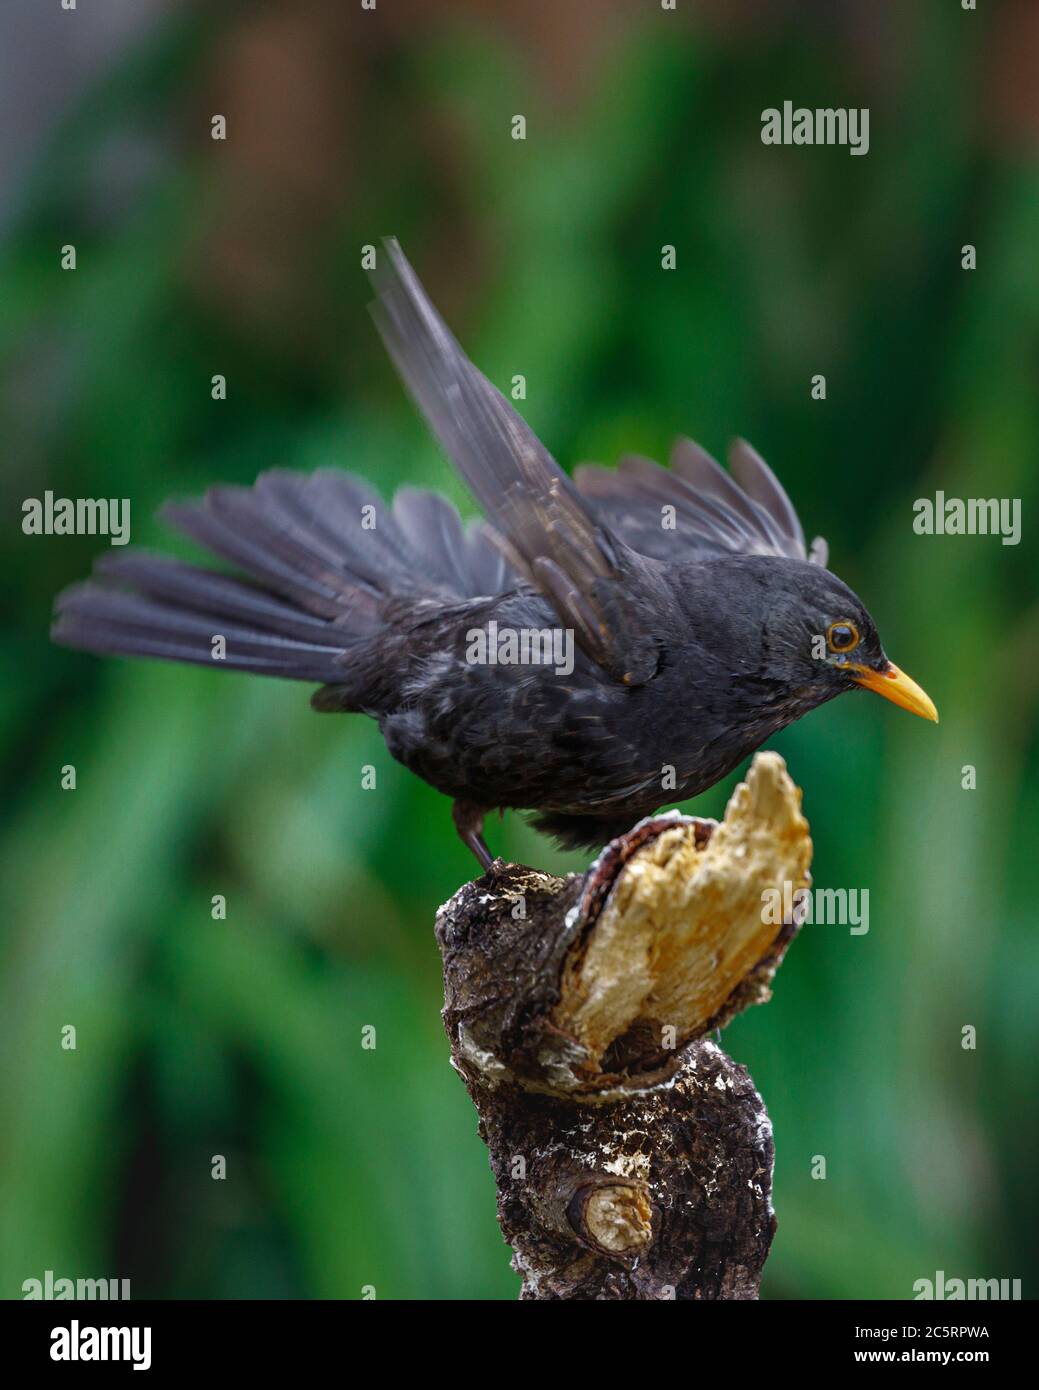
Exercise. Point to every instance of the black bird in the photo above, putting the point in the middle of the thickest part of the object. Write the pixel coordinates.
(596, 647)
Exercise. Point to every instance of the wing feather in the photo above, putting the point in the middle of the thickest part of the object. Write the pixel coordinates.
(746, 512)
(548, 533)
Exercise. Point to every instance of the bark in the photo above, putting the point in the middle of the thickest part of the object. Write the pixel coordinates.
(633, 1158)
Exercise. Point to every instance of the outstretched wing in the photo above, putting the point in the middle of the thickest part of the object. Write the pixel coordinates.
(603, 590)
(715, 513)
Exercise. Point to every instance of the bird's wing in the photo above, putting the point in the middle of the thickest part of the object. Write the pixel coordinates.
(709, 512)
(602, 590)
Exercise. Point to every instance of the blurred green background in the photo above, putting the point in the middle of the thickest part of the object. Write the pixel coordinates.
(350, 1168)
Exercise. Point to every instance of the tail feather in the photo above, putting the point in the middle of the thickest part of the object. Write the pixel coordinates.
(355, 520)
(92, 617)
(219, 596)
(229, 527)
(432, 530)
(342, 520)
(323, 558)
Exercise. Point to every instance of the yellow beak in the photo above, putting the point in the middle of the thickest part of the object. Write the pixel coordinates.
(897, 687)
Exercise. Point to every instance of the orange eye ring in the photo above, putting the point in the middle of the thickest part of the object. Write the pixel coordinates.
(842, 636)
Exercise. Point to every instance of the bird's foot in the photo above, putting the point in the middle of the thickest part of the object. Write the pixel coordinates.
(468, 819)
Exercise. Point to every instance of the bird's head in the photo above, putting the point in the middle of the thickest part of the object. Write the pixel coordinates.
(820, 640)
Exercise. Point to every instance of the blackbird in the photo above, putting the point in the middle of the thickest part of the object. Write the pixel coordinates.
(594, 647)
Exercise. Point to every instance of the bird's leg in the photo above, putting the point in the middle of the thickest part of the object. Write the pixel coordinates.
(468, 819)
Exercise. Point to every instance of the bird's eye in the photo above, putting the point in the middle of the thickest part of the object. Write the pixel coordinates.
(841, 637)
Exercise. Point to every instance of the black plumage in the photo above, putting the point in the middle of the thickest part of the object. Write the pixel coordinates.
(700, 623)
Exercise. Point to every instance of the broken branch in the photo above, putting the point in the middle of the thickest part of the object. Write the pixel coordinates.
(633, 1158)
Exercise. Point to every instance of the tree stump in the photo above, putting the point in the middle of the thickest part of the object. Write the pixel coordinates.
(633, 1158)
